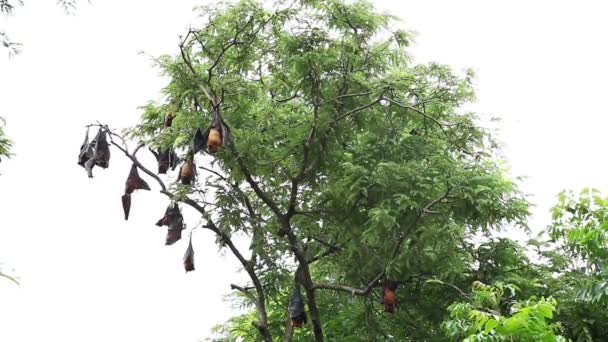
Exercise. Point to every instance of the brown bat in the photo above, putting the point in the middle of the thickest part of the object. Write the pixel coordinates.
(102, 149)
(168, 120)
(187, 172)
(175, 221)
(390, 299)
(171, 213)
(214, 137)
(297, 314)
(189, 257)
(135, 182)
(173, 235)
(166, 159)
(86, 157)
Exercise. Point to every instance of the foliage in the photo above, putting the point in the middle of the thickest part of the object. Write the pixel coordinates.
(577, 262)
(351, 165)
(480, 319)
(5, 143)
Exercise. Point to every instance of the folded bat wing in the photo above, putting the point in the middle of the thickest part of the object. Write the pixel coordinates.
(102, 149)
(199, 140)
(189, 257)
(126, 205)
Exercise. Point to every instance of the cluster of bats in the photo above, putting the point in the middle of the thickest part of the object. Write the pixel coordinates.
(97, 152)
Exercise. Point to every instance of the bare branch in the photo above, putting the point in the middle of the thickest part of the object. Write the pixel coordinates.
(412, 108)
(354, 291)
(245, 291)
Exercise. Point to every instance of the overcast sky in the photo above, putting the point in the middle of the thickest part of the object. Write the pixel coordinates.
(87, 275)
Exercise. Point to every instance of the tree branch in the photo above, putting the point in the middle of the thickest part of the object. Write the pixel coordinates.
(365, 291)
(399, 104)
(255, 186)
(262, 325)
(244, 291)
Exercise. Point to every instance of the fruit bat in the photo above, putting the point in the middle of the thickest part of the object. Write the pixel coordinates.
(390, 300)
(187, 172)
(134, 182)
(189, 257)
(166, 159)
(86, 157)
(126, 205)
(168, 120)
(175, 221)
(214, 137)
(198, 141)
(102, 149)
(297, 314)
(173, 235)
(171, 214)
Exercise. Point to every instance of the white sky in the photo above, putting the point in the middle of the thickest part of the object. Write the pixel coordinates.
(87, 275)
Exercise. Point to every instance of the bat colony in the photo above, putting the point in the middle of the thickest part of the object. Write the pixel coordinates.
(211, 140)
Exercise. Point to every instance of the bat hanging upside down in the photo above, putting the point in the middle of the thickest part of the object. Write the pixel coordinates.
(187, 172)
(166, 159)
(189, 257)
(214, 137)
(297, 314)
(86, 157)
(134, 182)
(390, 299)
(102, 150)
(175, 221)
(168, 120)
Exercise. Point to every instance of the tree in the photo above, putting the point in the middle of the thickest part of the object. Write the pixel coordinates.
(349, 166)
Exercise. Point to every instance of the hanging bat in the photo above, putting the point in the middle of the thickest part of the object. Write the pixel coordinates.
(173, 235)
(189, 257)
(168, 120)
(86, 157)
(214, 137)
(135, 182)
(166, 159)
(102, 149)
(187, 172)
(171, 214)
(297, 314)
(175, 221)
(198, 141)
(126, 205)
(390, 299)
(173, 160)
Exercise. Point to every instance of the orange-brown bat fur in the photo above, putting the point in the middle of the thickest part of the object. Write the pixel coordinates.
(214, 141)
(187, 172)
(168, 120)
(390, 299)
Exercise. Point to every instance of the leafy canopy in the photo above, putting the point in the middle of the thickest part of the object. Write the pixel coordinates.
(350, 165)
